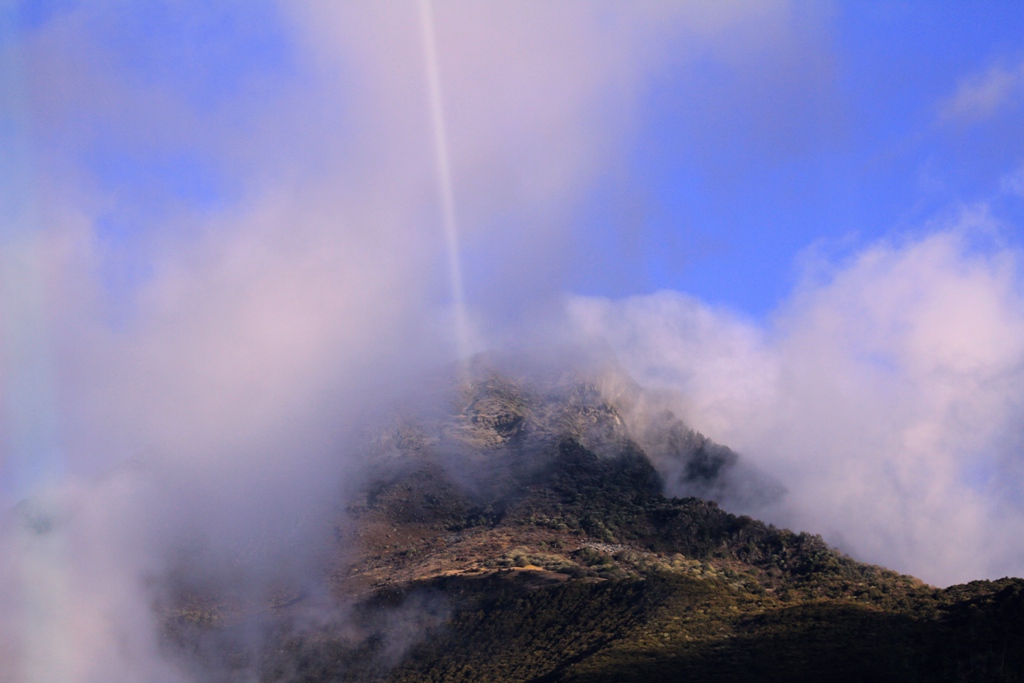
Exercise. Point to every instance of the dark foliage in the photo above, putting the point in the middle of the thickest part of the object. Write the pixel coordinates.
(583, 571)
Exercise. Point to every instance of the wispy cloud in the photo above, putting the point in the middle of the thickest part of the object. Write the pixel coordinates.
(982, 95)
(1013, 182)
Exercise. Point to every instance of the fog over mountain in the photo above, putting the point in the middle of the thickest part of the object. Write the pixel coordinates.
(884, 398)
(222, 260)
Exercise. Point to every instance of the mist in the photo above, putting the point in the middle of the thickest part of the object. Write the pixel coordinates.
(884, 395)
(188, 356)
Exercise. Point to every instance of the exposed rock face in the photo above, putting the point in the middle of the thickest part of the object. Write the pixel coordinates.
(524, 535)
(514, 420)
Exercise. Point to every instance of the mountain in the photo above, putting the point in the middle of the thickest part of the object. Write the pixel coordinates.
(524, 535)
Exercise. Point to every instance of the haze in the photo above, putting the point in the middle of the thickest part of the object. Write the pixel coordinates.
(225, 239)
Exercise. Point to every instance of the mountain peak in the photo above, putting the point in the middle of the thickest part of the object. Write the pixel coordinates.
(523, 533)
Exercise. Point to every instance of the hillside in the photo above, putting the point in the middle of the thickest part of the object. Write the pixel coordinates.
(524, 536)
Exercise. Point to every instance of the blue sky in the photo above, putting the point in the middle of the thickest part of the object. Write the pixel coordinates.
(801, 219)
(733, 174)
(831, 138)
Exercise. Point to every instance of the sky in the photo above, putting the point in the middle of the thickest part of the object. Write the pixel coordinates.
(224, 235)
(846, 132)
(802, 126)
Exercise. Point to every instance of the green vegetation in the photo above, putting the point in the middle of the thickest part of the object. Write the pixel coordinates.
(663, 627)
(560, 565)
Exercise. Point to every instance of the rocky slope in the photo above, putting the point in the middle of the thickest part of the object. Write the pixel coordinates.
(524, 536)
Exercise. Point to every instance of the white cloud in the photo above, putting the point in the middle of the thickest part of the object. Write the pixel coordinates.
(267, 326)
(886, 400)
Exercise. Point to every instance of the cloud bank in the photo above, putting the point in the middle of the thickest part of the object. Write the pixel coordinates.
(188, 350)
(885, 395)
(225, 248)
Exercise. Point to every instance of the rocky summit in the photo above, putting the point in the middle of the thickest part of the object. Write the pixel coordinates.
(524, 534)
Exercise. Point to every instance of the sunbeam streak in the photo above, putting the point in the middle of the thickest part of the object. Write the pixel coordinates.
(444, 177)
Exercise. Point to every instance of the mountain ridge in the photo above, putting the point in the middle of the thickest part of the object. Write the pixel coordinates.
(524, 535)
